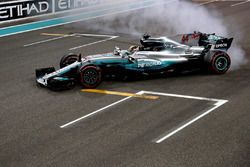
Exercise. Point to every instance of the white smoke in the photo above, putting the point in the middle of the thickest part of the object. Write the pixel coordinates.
(173, 18)
(237, 55)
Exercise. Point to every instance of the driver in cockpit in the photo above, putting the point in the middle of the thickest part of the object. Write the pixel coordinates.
(125, 53)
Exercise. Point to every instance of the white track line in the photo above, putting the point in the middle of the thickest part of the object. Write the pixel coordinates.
(94, 35)
(97, 111)
(218, 103)
(240, 3)
(47, 40)
(104, 40)
(182, 96)
(205, 3)
(72, 35)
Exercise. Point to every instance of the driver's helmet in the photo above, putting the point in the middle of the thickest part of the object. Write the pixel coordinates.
(133, 48)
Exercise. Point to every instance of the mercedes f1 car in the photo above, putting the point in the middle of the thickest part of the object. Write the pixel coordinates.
(154, 56)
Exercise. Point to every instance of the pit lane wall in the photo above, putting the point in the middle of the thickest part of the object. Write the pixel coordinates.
(21, 9)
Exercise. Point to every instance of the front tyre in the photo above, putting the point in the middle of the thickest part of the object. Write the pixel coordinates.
(68, 59)
(90, 76)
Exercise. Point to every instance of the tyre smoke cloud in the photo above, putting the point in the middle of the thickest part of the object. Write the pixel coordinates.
(170, 19)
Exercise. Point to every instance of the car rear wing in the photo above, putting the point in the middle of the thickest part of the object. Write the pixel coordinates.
(223, 44)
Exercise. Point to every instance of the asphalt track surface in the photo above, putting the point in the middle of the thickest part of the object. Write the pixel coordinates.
(123, 134)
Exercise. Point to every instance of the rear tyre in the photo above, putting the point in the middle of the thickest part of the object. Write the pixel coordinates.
(219, 63)
(90, 76)
(68, 59)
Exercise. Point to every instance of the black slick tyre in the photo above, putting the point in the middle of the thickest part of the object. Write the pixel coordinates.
(90, 76)
(220, 63)
(68, 59)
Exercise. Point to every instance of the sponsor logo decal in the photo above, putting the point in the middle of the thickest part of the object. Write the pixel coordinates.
(143, 63)
(222, 45)
(187, 37)
(73, 4)
(20, 9)
(27, 8)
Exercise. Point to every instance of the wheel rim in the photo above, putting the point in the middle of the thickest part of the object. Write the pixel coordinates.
(221, 63)
(90, 77)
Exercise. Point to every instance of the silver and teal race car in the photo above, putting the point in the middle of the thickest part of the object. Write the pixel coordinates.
(154, 56)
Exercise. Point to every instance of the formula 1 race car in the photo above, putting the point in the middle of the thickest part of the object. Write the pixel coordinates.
(148, 59)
